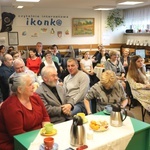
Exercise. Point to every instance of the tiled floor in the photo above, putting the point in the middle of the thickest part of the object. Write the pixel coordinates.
(138, 114)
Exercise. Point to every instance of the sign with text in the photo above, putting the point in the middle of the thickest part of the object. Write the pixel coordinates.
(42, 20)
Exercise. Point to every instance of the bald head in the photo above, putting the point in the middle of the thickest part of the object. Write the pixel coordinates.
(19, 65)
(8, 60)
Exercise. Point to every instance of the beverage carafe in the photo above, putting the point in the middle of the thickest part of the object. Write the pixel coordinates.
(77, 132)
(117, 116)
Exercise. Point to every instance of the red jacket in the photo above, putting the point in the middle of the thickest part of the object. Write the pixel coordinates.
(15, 119)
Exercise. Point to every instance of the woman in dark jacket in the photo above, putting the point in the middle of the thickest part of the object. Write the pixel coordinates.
(125, 59)
(48, 61)
(100, 56)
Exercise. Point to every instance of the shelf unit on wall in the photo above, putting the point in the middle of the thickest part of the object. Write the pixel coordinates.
(132, 49)
(138, 33)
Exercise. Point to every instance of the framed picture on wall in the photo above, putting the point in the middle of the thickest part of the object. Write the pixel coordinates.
(13, 38)
(83, 26)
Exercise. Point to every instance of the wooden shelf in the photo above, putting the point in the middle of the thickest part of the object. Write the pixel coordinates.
(142, 34)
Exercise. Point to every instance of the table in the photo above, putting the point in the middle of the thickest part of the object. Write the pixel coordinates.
(139, 141)
(98, 71)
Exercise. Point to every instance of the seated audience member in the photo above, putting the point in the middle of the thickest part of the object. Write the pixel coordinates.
(107, 91)
(23, 111)
(6, 70)
(115, 65)
(139, 83)
(33, 62)
(49, 62)
(54, 96)
(56, 53)
(15, 54)
(56, 56)
(87, 66)
(76, 85)
(100, 56)
(125, 59)
(10, 49)
(2, 51)
(20, 67)
(39, 50)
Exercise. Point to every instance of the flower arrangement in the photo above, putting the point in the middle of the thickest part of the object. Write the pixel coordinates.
(114, 19)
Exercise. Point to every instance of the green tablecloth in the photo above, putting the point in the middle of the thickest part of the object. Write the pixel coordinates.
(140, 140)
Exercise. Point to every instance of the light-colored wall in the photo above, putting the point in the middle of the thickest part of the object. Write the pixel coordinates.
(102, 34)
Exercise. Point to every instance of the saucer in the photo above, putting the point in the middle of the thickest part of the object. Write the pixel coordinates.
(106, 112)
(55, 147)
(54, 131)
(85, 120)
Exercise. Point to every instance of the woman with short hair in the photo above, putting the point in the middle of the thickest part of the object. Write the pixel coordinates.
(23, 111)
(33, 62)
(49, 62)
(107, 91)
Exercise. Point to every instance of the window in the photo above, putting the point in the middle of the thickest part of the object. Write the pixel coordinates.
(140, 52)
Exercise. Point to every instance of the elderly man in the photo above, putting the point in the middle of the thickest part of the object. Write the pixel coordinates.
(19, 67)
(53, 96)
(6, 70)
(76, 85)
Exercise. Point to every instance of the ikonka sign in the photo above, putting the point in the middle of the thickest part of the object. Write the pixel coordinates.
(49, 22)
(43, 20)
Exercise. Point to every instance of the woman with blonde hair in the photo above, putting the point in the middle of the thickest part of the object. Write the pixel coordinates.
(138, 81)
(107, 91)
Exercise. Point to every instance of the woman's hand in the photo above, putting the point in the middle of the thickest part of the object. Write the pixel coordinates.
(147, 86)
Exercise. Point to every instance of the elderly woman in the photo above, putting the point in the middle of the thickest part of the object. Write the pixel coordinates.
(107, 91)
(139, 83)
(115, 65)
(23, 111)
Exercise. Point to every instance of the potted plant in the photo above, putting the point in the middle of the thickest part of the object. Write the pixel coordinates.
(114, 19)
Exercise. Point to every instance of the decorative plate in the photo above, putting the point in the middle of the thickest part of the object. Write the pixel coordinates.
(54, 131)
(55, 147)
(98, 126)
(85, 120)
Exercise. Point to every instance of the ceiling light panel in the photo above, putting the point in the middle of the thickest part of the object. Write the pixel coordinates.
(104, 7)
(27, 0)
(20, 7)
(129, 3)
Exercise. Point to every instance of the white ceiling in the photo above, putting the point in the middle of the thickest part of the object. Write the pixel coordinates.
(69, 4)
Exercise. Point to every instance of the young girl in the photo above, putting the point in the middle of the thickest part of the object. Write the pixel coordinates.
(139, 83)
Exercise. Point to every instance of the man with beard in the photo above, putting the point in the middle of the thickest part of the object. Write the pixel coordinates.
(54, 96)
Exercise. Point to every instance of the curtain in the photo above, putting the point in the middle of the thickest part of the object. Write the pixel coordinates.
(137, 18)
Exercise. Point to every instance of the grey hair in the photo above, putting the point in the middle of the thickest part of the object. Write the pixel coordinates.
(18, 81)
(18, 60)
(114, 52)
(46, 70)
